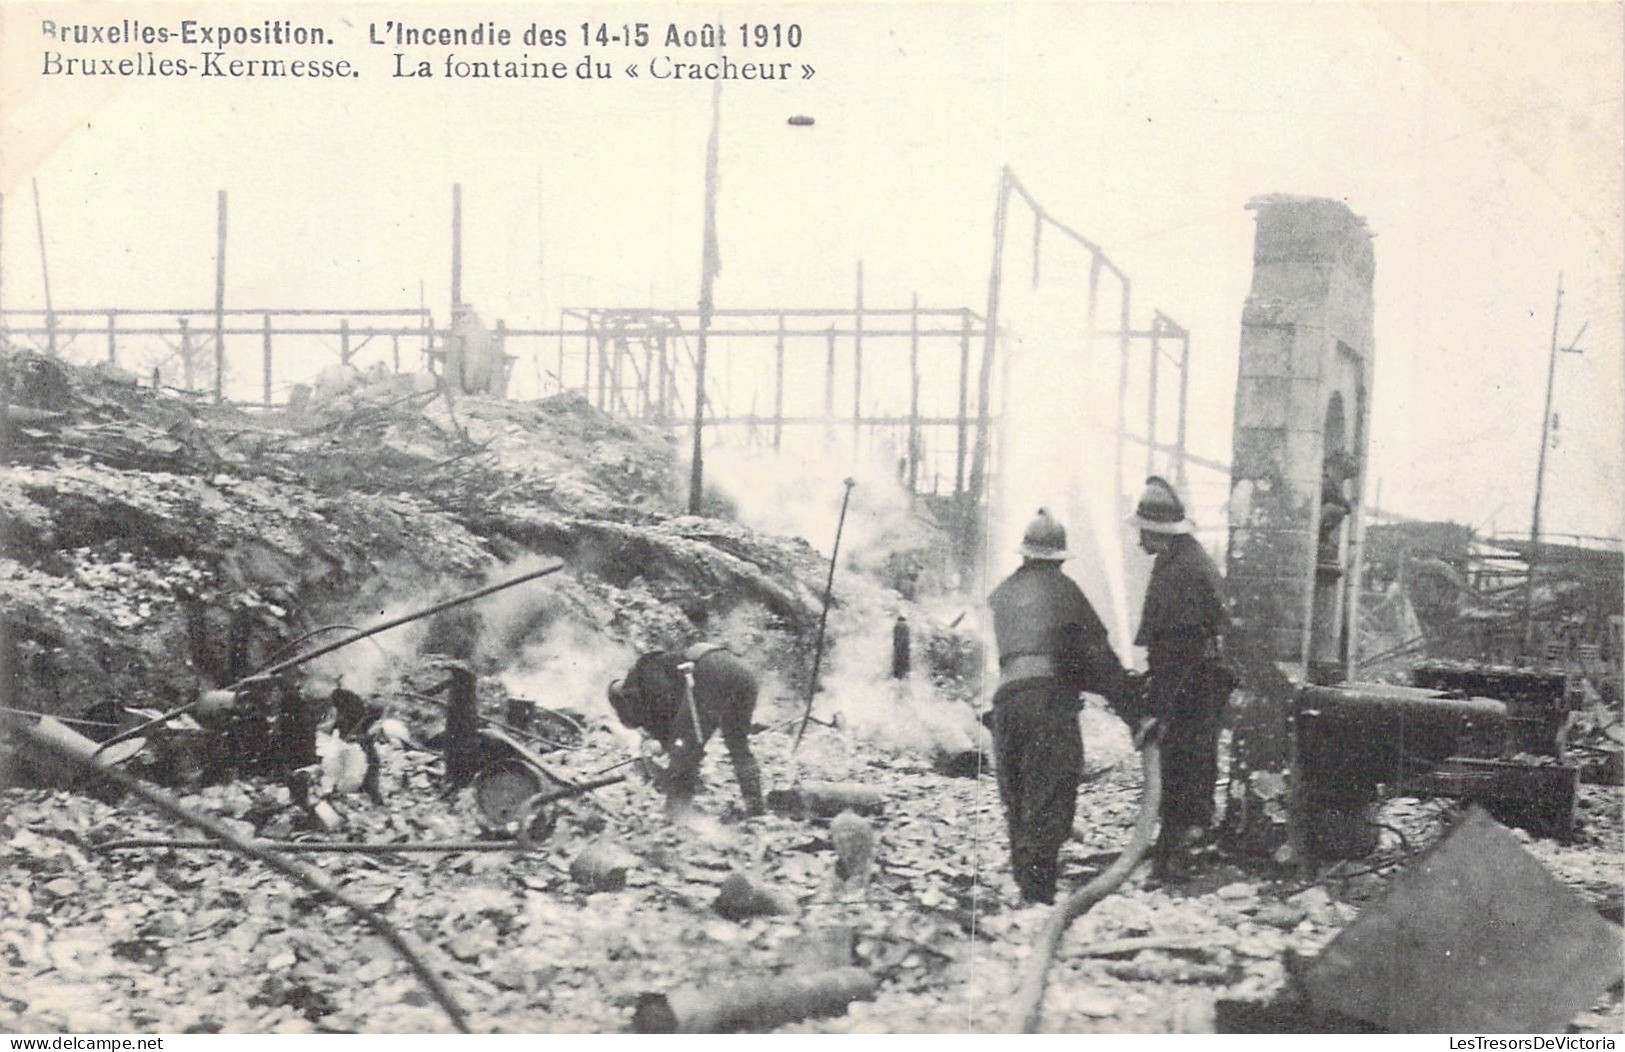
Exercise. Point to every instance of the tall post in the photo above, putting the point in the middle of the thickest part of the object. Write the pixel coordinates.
(963, 424)
(603, 373)
(1179, 426)
(265, 361)
(829, 386)
(186, 353)
(112, 338)
(913, 394)
(1094, 296)
(395, 350)
(1151, 399)
(1122, 392)
(500, 339)
(344, 341)
(646, 381)
(1533, 558)
(456, 250)
(710, 263)
(220, 296)
(560, 376)
(857, 364)
(427, 322)
(984, 387)
(45, 273)
(665, 381)
(2, 272)
(778, 386)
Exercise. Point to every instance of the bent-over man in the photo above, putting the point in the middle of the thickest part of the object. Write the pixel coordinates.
(652, 699)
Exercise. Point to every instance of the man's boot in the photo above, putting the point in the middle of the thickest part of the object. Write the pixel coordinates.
(749, 776)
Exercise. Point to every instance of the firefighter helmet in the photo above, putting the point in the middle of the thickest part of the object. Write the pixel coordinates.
(1045, 538)
(1160, 510)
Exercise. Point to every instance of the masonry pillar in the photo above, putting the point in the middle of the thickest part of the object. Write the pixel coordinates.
(1300, 438)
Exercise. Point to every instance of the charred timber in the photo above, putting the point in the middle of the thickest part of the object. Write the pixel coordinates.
(752, 1004)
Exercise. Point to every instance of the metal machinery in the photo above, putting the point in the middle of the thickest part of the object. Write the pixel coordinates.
(1312, 753)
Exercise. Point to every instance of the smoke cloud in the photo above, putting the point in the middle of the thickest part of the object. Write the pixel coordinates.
(799, 495)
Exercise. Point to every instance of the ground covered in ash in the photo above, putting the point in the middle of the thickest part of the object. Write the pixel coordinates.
(176, 940)
(155, 545)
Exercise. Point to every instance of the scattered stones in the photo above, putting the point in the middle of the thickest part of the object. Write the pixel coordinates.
(1282, 915)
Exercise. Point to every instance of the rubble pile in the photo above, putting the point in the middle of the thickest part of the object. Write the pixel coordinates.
(154, 544)
(155, 548)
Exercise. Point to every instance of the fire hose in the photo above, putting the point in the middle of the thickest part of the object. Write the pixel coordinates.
(1030, 996)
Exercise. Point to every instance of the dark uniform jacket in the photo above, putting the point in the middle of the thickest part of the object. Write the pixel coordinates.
(1181, 625)
(1038, 610)
(652, 698)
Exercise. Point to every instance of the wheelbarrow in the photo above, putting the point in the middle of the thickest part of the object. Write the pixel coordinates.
(517, 793)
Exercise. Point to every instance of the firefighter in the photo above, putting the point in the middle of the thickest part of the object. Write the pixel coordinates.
(1188, 682)
(1052, 646)
(654, 698)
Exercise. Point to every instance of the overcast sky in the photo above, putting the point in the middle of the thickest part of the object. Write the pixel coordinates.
(1481, 142)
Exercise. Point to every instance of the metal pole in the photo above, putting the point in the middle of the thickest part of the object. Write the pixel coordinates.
(500, 337)
(665, 381)
(646, 382)
(112, 338)
(45, 272)
(186, 353)
(984, 389)
(1094, 296)
(857, 364)
(428, 331)
(2, 270)
(265, 360)
(914, 396)
(560, 376)
(1122, 394)
(1151, 400)
(1179, 432)
(220, 296)
(829, 385)
(395, 350)
(778, 386)
(456, 250)
(603, 373)
(615, 376)
(710, 263)
(1533, 558)
(963, 425)
(344, 341)
(823, 617)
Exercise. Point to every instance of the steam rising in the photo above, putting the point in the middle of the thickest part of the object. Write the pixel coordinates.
(569, 666)
(906, 714)
(1057, 450)
(799, 495)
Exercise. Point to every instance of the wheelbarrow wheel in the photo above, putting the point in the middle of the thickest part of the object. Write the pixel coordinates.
(504, 791)
(538, 818)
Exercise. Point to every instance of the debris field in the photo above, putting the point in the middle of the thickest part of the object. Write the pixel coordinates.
(157, 547)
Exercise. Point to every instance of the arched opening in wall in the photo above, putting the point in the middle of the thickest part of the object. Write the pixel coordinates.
(1329, 634)
(1338, 471)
